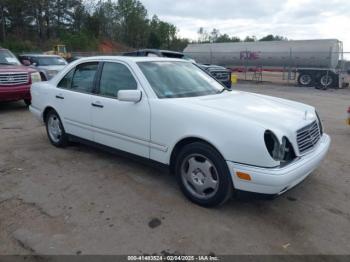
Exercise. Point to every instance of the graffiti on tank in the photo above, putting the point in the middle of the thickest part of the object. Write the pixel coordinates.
(249, 55)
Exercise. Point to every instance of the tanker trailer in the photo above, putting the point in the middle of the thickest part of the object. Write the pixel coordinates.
(316, 62)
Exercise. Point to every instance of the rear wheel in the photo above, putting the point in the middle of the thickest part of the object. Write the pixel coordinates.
(327, 80)
(55, 130)
(305, 79)
(203, 175)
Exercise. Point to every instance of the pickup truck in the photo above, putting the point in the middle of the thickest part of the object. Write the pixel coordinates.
(15, 79)
(220, 73)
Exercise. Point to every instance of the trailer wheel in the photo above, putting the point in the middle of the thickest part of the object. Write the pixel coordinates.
(305, 79)
(327, 80)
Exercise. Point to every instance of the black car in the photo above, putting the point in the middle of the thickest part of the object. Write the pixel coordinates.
(220, 73)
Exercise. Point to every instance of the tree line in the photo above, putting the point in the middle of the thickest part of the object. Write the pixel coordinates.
(216, 37)
(39, 24)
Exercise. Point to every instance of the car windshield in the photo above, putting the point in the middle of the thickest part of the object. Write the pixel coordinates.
(48, 61)
(7, 58)
(179, 79)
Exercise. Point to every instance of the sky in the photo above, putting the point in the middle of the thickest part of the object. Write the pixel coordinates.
(294, 19)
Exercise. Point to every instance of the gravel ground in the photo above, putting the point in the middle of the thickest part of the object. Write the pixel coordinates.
(81, 200)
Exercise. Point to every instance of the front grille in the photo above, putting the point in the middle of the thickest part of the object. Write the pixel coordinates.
(220, 75)
(308, 136)
(14, 78)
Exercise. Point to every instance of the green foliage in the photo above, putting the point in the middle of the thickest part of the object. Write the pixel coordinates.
(82, 24)
(80, 41)
(226, 38)
(273, 38)
(18, 47)
(216, 37)
(249, 39)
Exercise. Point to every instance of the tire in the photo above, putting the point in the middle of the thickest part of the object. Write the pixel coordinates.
(43, 77)
(327, 81)
(55, 130)
(203, 175)
(28, 102)
(305, 79)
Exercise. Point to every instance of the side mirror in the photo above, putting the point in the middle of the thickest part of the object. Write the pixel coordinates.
(129, 95)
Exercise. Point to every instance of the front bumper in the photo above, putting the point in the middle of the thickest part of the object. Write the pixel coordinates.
(279, 180)
(14, 93)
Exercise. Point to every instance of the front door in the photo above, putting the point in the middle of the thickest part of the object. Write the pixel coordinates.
(118, 124)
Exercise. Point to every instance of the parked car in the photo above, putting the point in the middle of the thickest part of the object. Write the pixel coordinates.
(220, 73)
(15, 79)
(73, 58)
(170, 111)
(47, 65)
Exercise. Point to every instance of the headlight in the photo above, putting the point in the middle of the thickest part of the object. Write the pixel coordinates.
(272, 145)
(35, 77)
(283, 152)
(51, 73)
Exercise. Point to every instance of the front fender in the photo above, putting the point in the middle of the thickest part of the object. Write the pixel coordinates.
(238, 139)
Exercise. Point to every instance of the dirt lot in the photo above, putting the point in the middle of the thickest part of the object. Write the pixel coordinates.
(81, 200)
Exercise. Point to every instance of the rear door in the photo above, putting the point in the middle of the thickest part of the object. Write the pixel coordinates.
(73, 99)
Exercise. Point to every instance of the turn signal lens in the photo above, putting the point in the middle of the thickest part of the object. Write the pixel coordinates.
(244, 176)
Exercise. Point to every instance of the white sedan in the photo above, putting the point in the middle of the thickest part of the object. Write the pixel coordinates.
(170, 111)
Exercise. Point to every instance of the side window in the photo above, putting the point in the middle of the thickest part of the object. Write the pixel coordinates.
(84, 75)
(34, 60)
(152, 55)
(66, 81)
(116, 77)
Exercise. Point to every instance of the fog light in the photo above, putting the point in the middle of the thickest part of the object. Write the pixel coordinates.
(244, 176)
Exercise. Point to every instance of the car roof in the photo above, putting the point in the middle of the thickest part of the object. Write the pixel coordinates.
(39, 55)
(156, 51)
(162, 51)
(132, 59)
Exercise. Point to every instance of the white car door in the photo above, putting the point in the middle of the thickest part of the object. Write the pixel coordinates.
(73, 99)
(119, 124)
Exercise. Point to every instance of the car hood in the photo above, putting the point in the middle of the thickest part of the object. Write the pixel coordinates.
(269, 112)
(15, 68)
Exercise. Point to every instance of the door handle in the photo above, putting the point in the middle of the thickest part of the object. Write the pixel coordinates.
(97, 104)
(59, 96)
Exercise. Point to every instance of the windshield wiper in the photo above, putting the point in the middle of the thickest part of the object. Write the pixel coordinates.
(3, 63)
(224, 89)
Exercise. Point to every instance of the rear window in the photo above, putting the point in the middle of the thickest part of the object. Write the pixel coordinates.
(172, 55)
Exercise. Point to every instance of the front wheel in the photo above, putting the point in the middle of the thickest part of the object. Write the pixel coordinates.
(27, 102)
(55, 130)
(203, 175)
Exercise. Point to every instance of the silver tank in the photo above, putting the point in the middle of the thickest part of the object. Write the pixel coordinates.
(300, 53)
